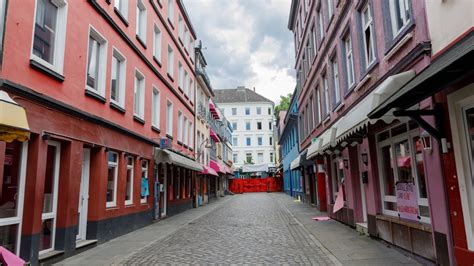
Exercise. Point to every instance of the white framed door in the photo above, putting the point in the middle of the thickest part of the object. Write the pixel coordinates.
(83, 196)
(461, 116)
(50, 198)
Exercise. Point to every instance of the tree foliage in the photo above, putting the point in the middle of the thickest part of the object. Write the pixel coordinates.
(284, 103)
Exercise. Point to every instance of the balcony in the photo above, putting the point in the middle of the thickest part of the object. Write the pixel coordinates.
(202, 111)
(201, 72)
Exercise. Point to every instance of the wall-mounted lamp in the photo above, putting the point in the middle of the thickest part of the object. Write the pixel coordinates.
(426, 141)
(365, 158)
(45, 136)
(346, 163)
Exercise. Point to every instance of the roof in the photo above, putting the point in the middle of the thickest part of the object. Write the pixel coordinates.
(239, 95)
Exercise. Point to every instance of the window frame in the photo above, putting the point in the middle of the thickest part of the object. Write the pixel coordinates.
(141, 21)
(129, 167)
(170, 62)
(113, 203)
(156, 105)
(102, 65)
(122, 8)
(169, 121)
(144, 200)
(157, 43)
(122, 61)
(142, 85)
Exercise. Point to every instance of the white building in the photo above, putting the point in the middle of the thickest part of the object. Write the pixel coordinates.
(252, 118)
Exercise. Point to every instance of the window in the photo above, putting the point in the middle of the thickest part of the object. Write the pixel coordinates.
(170, 11)
(247, 125)
(271, 157)
(49, 34)
(311, 113)
(335, 79)
(117, 83)
(122, 7)
(234, 141)
(314, 41)
(185, 81)
(260, 141)
(191, 134)
(399, 14)
(157, 43)
(234, 125)
(234, 111)
(129, 181)
(112, 180)
(180, 126)
(155, 116)
(260, 157)
(349, 60)
(3, 6)
(259, 110)
(321, 25)
(270, 141)
(144, 182)
(326, 95)
(186, 130)
(270, 125)
(96, 65)
(249, 141)
(141, 20)
(330, 9)
(191, 89)
(248, 158)
(180, 28)
(169, 118)
(259, 125)
(235, 158)
(180, 75)
(170, 61)
(368, 32)
(401, 160)
(247, 111)
(139, 95)
(186, 38)
(269, 110)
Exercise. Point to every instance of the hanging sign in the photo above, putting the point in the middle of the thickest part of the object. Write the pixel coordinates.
(339, 204)
(407, 201)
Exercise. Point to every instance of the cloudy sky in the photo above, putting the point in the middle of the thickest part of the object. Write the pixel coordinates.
(247, 43)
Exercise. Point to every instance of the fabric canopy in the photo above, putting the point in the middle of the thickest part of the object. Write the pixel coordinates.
(13, 121)
(314, 148)
(214, 135)
(206, 170)
(249, 168)
(167, 156)
(357, 117)
(218, 168)
(295, 163)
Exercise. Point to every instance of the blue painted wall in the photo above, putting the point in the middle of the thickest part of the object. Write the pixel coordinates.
(290, 150)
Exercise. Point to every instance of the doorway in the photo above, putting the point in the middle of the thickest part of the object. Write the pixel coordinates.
(83, 196)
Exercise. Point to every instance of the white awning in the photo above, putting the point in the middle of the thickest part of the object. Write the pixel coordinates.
(357, 119)
(167, 156)
(329, 136)
(295, 163)
(251, 168)
(314, 148)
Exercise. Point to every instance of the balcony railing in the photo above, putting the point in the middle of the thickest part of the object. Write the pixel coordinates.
(200, 70)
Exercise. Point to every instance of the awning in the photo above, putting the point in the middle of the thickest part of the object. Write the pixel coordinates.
(213, 110)
(329, 136)
(13, 121)
(214, 165)
(251, 168)
(206, 170)
(314, 148)
(453, 65)
(214, 135)
(295, 163)
(357, 117)
(167, 156)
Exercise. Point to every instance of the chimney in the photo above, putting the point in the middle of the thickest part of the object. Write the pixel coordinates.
(253, 89)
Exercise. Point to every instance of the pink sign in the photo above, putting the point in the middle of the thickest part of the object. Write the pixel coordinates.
(407, 201)
(10, 259)
(339, 204)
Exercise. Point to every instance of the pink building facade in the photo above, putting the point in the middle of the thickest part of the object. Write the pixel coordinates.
(350, 57)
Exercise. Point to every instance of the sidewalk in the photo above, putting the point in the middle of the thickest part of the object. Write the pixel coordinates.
(114, 251)
(344, 242)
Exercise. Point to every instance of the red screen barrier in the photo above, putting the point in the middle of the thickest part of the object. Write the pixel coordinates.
(270, 184)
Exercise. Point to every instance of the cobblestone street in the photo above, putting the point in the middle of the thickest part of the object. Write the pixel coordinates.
(254, 228)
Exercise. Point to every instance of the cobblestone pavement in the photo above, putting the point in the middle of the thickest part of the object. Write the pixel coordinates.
(249, 229)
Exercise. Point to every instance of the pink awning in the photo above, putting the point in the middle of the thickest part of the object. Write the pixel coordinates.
(214, 135)
(206, 170)
(214, 165)
(213, 110)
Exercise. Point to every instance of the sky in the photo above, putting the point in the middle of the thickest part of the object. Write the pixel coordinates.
(246, 42)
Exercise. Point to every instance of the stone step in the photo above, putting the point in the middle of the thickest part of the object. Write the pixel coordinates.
(362, 228)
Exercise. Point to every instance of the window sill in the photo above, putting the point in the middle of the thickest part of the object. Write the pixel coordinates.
(180, 41)
(46, 70)
(186, 146)
(141, 41)
(180, 143)
(186, 96)
(138, 119)
(155, 129)
(121, 17)
(117, 107)
(350, 90)
(157, 61)
(169, 136)
(327, 119)
(50, 254)
(170, 77)
(129, 205)
(362, 82)
(191, 149)
(95, 96)
(160, 4)
(180, 89)
(338, 107)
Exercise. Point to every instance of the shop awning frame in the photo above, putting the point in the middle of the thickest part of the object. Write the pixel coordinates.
(13, 120)
(168, 156)
(206, 170)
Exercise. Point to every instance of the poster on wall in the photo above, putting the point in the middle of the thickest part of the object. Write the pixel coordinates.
(407, 201)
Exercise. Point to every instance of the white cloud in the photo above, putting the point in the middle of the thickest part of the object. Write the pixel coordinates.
(247, 43)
